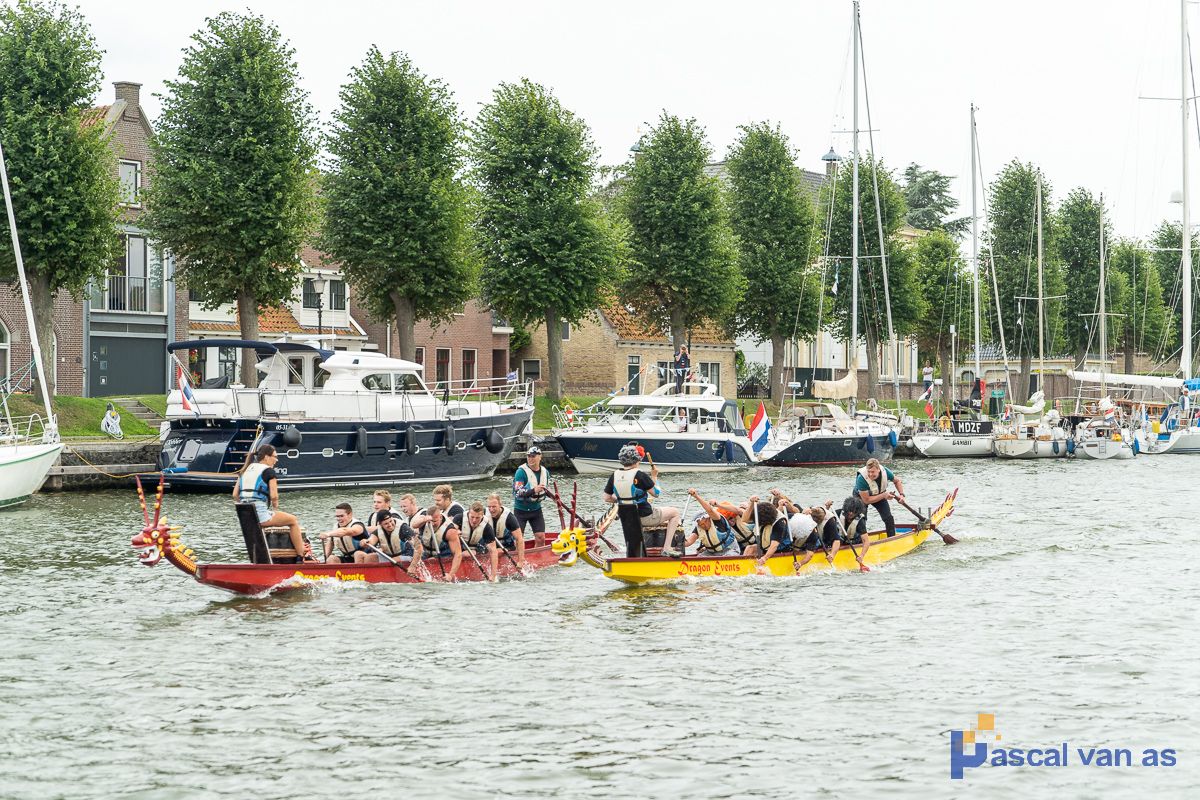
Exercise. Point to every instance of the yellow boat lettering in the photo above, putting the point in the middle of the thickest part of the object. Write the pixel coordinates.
(339, 575)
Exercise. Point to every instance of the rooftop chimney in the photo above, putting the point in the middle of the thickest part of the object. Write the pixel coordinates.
(131, 93)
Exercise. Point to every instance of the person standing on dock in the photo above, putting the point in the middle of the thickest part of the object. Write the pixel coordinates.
(631, 489)
(871, 486)
(529, 487)
(681, 365)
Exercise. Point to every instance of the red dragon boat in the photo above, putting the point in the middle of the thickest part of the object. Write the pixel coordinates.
(275, 567)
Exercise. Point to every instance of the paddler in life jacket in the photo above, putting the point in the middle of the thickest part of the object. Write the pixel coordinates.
(850, 527)
(258, 484)
(440, 538)
(871, 486)
(771, 535)
(713, 531)
(508, 531)
(443, 498)
(479, 533)
(350, 536)
(397, 539)
(530, 483)
(631, 489)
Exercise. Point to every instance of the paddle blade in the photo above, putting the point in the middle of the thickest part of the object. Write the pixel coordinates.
(863, 567)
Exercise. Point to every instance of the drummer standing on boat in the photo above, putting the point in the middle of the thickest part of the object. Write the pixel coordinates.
(631, 489)
(529, 487)
(871, 486)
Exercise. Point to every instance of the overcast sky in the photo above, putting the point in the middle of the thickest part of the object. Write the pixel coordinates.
(1057, 82)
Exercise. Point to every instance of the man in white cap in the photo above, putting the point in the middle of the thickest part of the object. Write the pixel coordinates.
(631, 489)
(529, 487)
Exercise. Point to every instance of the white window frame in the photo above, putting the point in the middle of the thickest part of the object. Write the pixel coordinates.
(419, 355)
(707, 373)
(566, 331)
(6, 347)
(137, 183)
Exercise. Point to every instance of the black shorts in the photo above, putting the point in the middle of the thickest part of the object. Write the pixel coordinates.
(537, 522)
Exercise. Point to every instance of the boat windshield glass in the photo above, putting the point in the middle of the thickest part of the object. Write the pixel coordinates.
(393, 381)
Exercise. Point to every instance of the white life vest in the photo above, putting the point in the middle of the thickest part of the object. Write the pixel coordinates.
(875, 486)
(251, 487)
(742, 532)
(624, 487)
(541, 477)
(711, 539)
(474, 535)
(500, 523)
(346, 543)
(432, 538)
(392, 543)
(764, 535)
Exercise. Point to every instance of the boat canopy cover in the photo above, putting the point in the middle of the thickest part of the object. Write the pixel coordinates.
(264, 349)
(842, 389)
(1037, 404)
(1156, 381)
(368, 361)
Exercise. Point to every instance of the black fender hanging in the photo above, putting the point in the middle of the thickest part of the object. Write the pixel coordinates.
(291, 437)
(410, 440)
(451, 443)
(494, 442)
(361, 443)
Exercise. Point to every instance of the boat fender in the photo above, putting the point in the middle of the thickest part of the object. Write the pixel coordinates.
(361, 443)
(893, 439)
(1070, 447)
(494, 441)
(870, 443)
(1053, 446)
(451, 443)
(291, 437)
(728, 451)
(410, 440)
(1136, 447)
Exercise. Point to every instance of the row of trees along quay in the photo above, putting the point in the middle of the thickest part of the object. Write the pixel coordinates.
(425, 209)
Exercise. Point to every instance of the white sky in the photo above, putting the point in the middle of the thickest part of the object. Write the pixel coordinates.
(1057, 82)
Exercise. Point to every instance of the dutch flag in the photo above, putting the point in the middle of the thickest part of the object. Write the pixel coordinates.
(187, 399)
(760, 427)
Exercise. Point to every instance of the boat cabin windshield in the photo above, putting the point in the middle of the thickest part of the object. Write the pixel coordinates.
(393, 382)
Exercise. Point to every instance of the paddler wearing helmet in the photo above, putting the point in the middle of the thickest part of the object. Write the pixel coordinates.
(713, 531)
(631, 489)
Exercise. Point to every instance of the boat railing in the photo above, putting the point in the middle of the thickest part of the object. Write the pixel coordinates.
(23, 430)
(498, 390)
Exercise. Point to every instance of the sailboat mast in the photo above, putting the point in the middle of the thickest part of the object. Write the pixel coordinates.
(853, 356)
(33, 335)
(1041, 294)
(975, 249)
(1103, 315)
(1185, 358)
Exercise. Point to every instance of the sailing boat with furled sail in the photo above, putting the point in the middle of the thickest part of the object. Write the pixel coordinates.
(29, 446)
(823, 432)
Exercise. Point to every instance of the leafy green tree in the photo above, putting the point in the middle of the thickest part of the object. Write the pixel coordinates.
(930, 202)
(550, 255)
(1166, 254)
(946, 287)
(62, 173)
(772, 216)
(685, 256)
(232, 194)
(1012, 222)
(1078, 221)
(1144, 321)
(397, 216)
(908, 305)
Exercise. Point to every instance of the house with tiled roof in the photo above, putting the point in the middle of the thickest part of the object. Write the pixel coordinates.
(113, 340)
(619, 347)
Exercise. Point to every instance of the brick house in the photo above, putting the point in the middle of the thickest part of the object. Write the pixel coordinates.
(617, 347)
(474, 345)
(113, 340)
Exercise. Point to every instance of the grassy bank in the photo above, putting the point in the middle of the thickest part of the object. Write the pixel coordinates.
(79, 416)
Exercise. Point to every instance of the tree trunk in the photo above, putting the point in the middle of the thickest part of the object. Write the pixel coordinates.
(554, 355)
(778, 351)
(1080, 356)
(405, 325)
(41, 297)
(247, 311)
(947, 374)
(678, 329)
(1129, 348)
(872, 363)
(1022, 390)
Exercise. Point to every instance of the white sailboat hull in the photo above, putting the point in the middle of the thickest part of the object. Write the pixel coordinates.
(1031, 448)
(944, 444)
(23, 468)
(1179, 442)
(1105, 449)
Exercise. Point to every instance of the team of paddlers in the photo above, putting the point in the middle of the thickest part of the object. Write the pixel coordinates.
(488, 530)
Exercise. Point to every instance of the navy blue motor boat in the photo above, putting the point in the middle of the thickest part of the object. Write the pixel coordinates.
(340, 419)
(821, 434)
(693, 430)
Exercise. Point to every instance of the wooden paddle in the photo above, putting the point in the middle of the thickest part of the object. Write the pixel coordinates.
(946, 538)
(391, 560)
(846, 538)
(470, 548)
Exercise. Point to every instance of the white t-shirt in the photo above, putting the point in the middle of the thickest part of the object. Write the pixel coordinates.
(927, 373)
(800, 526)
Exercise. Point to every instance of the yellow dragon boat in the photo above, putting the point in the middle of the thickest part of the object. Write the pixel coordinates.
(573, 544)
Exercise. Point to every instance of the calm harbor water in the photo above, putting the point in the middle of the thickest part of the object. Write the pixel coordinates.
(1069, 610)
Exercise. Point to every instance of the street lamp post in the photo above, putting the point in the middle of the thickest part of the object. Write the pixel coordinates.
(318, 285)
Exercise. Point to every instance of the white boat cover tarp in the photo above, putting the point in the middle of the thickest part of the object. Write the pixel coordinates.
(1037, 404)
(842, 389)
(1156, 381)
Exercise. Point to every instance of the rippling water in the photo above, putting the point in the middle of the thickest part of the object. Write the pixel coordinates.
(1069, 610)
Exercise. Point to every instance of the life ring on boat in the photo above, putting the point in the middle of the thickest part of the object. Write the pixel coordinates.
(569, 413)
